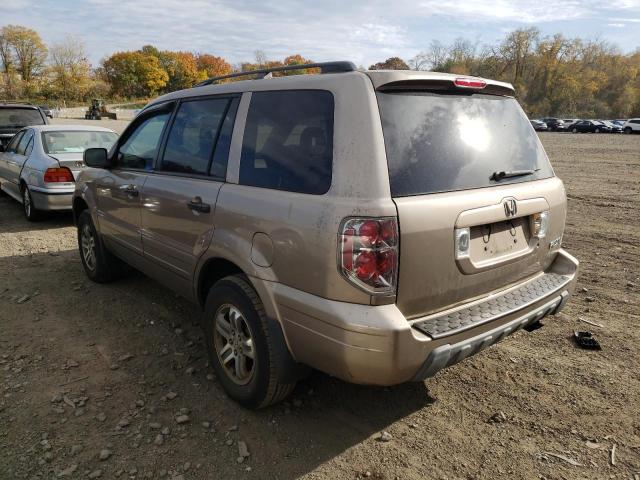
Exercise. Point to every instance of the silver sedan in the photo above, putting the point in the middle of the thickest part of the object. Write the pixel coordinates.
(38, 167)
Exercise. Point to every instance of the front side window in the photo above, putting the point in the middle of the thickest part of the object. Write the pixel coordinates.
(193, 135)
(141, 146)
(288, 141)
(13, 143)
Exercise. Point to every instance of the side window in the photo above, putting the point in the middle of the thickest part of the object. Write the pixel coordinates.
(288, 141)
(193, 135)
(24, 141)
(635, 121)
(15, 140)
(141, 145)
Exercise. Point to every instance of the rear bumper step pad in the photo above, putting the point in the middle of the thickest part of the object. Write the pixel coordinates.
(493, 308)
(449, 354)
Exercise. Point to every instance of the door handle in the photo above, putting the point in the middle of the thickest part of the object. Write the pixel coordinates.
(196, 205)
(131, 190)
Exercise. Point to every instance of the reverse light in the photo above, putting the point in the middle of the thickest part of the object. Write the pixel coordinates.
(368, 251)
(462, 240)
(58, 175)
(540, 224)
(469, 83)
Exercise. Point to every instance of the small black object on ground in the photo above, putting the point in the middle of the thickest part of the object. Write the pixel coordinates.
(586, 340)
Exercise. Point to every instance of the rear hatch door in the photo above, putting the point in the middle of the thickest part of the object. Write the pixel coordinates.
(461, 159)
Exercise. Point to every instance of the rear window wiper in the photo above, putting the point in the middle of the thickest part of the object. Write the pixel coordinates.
(497, 176)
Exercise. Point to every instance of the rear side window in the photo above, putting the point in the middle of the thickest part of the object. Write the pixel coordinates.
(288, 141)
(24, 141)
(193, 135)
(444, 142)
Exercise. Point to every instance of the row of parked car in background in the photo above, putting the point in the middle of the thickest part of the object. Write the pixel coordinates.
(578, 125)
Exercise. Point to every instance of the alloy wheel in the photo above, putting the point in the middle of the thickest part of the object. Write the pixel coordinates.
(88, 243)
(234, 345)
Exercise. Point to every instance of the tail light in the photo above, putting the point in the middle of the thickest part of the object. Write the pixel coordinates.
(469, 83)
(368, 251)
(58, 175)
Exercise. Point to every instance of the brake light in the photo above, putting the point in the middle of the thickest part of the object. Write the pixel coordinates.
(469, 83)
(369, 253)
(58, 175)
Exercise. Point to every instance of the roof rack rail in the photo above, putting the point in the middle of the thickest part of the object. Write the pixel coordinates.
(325, 67)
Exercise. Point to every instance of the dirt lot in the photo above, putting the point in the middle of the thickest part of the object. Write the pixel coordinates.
(89, 370)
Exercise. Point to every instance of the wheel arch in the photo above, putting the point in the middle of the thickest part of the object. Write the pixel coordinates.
(79, 206)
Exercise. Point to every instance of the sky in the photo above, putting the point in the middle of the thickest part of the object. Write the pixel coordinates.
(364, 32)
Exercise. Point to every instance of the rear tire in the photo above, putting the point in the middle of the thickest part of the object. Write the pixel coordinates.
(31, 213)
(99, 264)
(597, 130)
(241, 346)
(574, 130)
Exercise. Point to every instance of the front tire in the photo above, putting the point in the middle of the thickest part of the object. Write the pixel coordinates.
(99, 264)
(575, 130)
(627, 130)
(31, 213)
(241, 346)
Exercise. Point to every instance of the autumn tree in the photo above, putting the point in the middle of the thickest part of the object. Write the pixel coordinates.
(393, 63)
(134, 74)
(70, 69)
(213, 66)
(29, 50)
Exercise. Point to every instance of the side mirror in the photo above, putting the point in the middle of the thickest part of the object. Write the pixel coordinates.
(96, 158)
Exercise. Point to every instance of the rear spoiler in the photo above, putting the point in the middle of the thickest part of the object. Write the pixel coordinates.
(445, 85)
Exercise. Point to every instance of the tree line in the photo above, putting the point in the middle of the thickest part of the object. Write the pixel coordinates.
(552, 75)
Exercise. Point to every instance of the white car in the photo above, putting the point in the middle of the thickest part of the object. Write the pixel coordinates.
(39, 165)
(631, 126)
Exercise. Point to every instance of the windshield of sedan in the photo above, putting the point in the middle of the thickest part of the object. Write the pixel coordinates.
(20, 117)
(76, 141)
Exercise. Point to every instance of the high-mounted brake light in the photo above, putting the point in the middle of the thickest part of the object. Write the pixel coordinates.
(58, 175)
(469, 83)
(368, 250)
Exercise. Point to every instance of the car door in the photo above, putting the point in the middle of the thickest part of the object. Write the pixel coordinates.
(179, 197)
(7, 160)
(118, 190)
(20, 156)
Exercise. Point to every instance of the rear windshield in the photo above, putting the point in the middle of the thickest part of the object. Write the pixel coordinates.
(439, 142)
(20, 117)
(76, 141)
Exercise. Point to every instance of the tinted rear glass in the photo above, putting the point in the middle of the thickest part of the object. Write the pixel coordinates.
(288, 141)
(20, 117)
(444, 142)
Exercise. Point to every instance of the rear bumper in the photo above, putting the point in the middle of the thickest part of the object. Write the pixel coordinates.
(377, 345)
(48, 199)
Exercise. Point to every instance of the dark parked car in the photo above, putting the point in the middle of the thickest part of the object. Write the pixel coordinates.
(15, 116)
(615, 128)
(538, 125)
(590, 126)
(46, 110)
(554, 124)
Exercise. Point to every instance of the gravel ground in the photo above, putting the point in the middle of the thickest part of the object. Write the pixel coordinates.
(112, 381)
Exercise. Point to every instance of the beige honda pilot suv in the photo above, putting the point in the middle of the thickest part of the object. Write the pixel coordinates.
(375, 225)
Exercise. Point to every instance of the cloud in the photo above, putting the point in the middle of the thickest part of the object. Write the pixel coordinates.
(616, 25)
(361, 30)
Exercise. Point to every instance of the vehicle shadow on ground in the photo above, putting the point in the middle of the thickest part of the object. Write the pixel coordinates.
(12, 218)
(322, 419)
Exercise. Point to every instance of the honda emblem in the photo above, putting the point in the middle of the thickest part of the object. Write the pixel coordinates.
(510, 207)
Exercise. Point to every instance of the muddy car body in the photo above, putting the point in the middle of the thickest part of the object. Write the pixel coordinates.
(377, 226)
